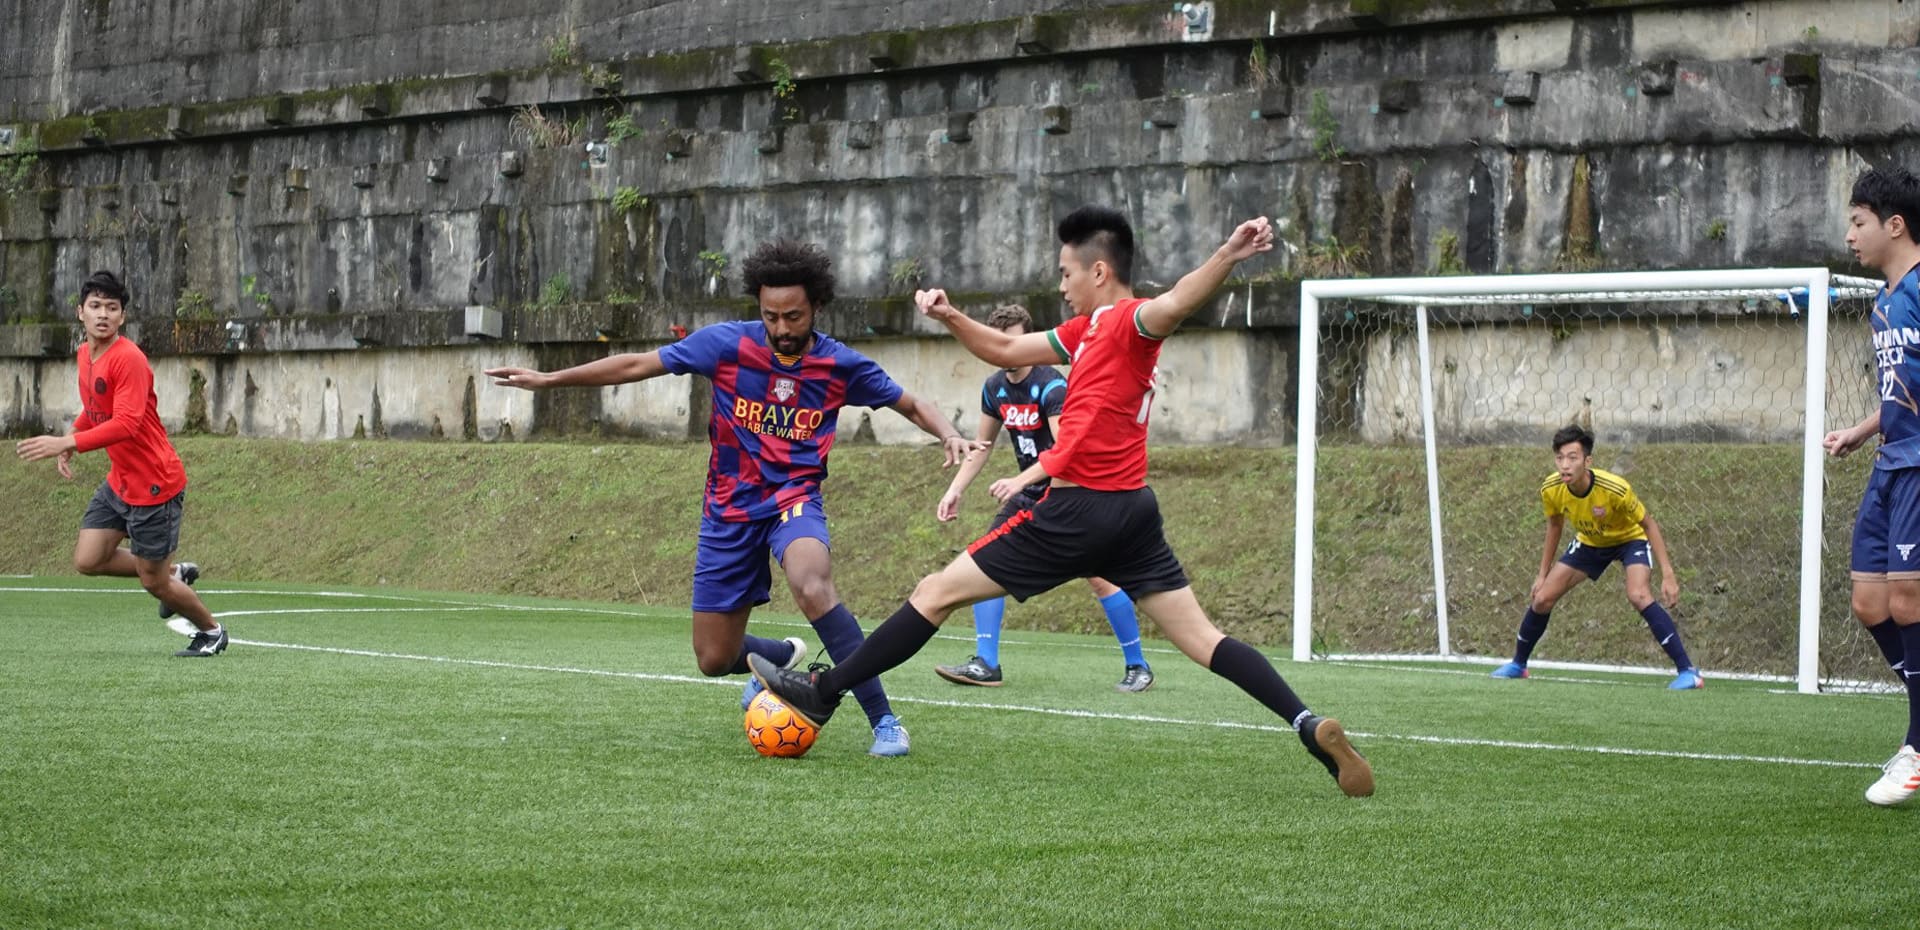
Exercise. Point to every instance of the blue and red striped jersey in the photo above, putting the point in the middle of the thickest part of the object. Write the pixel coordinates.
(773, 419)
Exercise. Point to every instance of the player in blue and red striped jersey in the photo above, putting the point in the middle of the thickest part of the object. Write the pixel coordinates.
(1099, 517)
(778, 387)
(1883, 230)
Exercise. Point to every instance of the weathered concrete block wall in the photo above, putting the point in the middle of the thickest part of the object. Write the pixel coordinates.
(1655, 379)
(346, 178)
(440, 392)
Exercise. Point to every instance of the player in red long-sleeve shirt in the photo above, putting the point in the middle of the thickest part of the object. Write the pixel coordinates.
(145, 488)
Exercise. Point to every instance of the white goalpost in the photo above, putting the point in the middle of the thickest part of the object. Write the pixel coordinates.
(1674, 318)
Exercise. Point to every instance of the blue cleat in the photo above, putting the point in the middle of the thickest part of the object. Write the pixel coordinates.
(1510, 670)
(1687, 680)
(753, 684)
(889, 738)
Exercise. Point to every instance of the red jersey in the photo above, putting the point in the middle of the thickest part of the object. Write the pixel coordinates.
(1103, 428)
(120, 413)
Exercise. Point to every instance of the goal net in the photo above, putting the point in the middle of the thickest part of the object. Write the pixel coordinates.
(1426, 408)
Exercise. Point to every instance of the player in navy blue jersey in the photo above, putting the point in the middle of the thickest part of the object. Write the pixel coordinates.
(1883, 218)
(778, 386)
(1026, 401)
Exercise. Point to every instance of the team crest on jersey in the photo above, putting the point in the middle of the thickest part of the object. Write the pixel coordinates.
(1599, 512)
(784, 389)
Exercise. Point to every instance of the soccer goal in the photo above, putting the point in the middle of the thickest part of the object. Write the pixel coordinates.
(1431, 402)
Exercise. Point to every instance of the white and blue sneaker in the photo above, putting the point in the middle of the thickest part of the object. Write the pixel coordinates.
(889, 737)
(1510, 670)
(1687, 680)
(753, 684)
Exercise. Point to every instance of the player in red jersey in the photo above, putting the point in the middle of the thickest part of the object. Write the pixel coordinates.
(145, 488)
(1099, 518)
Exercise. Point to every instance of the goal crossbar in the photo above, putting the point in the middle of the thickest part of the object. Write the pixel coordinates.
(1815, 286)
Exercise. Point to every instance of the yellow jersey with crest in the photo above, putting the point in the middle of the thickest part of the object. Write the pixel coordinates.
(1607, 515)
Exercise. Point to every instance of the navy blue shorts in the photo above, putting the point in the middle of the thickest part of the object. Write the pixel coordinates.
(1887, 528)
(730, 569)
(1593, 560)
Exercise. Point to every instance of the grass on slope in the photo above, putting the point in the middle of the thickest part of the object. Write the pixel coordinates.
(618, 522)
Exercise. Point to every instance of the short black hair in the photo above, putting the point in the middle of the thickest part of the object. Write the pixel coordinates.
(1573, 432)
(786, 263)
(106, 285)
(1889, 192)
(1104, 232)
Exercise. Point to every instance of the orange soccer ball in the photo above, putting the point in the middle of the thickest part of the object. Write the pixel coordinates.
(775, 730)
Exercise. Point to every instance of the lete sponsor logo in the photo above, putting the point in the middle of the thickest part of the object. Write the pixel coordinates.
(1020, 416)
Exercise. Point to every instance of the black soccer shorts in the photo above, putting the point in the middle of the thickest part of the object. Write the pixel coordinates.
(1080, 533)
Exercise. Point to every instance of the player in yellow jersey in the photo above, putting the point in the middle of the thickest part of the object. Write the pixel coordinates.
(1610, 525)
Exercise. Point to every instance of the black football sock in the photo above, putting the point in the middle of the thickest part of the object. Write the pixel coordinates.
(1910, 636)
(892, 643)
(1245, 666)
(1533, 625)
(840, 634)
(1886, 635)
(1660, 623)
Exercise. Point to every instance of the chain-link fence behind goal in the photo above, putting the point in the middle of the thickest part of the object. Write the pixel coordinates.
(1697, 397)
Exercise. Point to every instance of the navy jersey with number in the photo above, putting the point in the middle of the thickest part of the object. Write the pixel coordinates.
(1896, 350)
(1023, 408)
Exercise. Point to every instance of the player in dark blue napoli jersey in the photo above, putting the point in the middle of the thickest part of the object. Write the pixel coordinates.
(1026, 402)
(778, 387)
(1883, 218)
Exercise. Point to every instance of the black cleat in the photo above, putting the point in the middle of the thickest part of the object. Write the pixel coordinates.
(974, 671)
(188, 573)
(1327, 741)
(1138, 678)
(205, 644)
(798, 690)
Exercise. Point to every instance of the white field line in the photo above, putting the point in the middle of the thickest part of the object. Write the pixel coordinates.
(1836, 689)
(1085, 714)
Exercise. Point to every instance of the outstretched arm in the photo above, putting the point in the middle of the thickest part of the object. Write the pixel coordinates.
(930, 420)
(614, 369)
(949, 506)
(1669, 582)
(1163, 314)
(986, 343)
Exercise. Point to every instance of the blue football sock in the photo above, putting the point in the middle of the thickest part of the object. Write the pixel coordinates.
(840, 633)
(775, 650)
(1910, 636)
(1667, 635)
(1126, 625)
(987, 617)
(1886, 635)
(1532, 626)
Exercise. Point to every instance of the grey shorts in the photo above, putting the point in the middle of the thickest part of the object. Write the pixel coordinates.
(153, 531)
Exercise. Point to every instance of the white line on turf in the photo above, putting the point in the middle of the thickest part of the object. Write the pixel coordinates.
(1087, 714)
(1838, 691)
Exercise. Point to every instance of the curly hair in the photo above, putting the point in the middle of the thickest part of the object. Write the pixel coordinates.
(1007, 315)
(787, 263)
